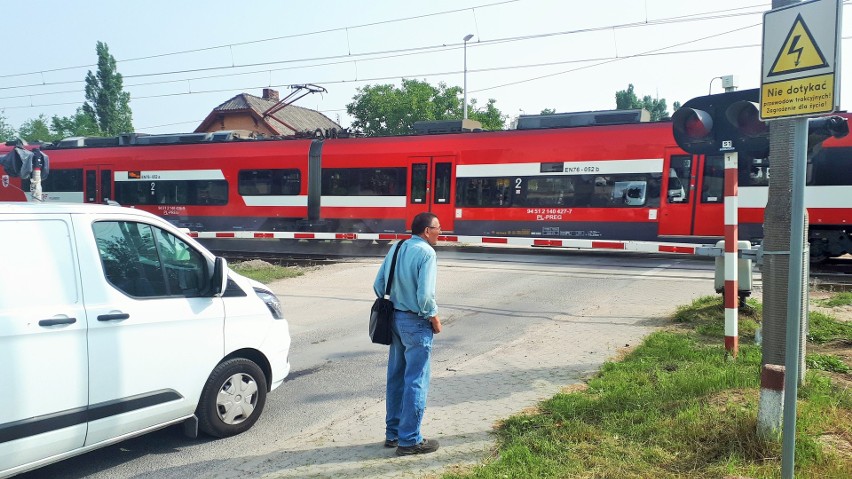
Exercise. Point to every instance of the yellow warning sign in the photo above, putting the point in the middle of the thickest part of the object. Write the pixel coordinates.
(802, 96)
(799, 51)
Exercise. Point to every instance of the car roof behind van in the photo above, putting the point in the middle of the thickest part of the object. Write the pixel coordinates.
(67, 208)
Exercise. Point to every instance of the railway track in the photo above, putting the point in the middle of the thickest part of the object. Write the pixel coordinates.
(832, 274)
(835, 273)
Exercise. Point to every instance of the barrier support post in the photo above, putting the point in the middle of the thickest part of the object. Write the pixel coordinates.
(731, 294)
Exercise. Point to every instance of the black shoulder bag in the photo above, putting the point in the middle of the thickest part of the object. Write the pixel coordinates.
(381, 315)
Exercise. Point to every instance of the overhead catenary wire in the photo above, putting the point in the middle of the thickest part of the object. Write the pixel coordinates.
(384, 54)
(252, 42)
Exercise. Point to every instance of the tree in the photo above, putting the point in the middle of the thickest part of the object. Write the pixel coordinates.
(80, 124)
(490, 117)
(627, 100)
(548, 111)
(382, 110)
(107, 105)
(36, 130)
(6, 131)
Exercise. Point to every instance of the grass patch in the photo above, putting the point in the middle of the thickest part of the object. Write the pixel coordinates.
(823, 328)
(839, 299)
(675, 407)
(264, 272)
(703, 316)
(827, 362)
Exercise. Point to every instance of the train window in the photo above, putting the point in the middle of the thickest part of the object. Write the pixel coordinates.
(581, 191)
(713, 188)
(59, 180)
(549, 191)
(624, 190)
(488, 192)
(753, 171)
(106, 184)
(680, 171)
(363, 181)
(91, 186)
(831, 167)
(443, 172)
(418, 182)
(269, 182)
(630, 193)
(195, 192)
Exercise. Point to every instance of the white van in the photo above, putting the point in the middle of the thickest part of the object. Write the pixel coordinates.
(113, 323)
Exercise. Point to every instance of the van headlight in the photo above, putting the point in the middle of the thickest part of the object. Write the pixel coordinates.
(272, 302)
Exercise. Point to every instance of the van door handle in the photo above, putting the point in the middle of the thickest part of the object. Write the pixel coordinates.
(113, 317)
(54, 322)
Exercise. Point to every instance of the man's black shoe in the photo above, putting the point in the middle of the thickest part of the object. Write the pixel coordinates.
(425, 447)
(391, 442)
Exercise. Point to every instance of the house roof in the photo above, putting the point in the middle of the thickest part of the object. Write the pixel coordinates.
(300, 119)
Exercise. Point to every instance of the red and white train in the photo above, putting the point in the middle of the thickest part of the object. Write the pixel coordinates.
(604, 182)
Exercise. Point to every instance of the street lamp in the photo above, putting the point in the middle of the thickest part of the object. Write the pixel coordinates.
(466, 39)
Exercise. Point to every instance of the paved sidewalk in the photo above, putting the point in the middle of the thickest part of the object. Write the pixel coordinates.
(466, 402)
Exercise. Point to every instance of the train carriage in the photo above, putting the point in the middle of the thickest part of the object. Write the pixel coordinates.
(599, 182)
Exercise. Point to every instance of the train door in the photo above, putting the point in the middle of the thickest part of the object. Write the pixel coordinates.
(97, 185)
(432, 188)
(677, 205)
(710, 197)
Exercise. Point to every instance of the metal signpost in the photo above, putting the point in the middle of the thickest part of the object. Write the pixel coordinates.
(800, 78)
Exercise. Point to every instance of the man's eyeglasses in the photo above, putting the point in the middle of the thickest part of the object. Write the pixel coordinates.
(435, 227)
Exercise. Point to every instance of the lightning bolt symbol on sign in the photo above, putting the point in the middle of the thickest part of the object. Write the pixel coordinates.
(793, 49)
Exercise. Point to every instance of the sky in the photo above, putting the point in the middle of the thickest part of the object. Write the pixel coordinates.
(181, 59)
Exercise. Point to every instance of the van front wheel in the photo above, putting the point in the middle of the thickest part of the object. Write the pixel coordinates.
(233, 398)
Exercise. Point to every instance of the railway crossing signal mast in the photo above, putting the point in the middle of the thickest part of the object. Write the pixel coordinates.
(730, 123)
(727, 123)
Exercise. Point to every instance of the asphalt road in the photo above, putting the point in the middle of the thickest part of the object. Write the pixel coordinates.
(489, 302)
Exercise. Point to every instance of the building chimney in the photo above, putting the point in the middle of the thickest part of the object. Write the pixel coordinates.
(270, 94)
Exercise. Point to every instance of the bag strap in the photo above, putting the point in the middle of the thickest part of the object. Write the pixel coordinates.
(393, 268)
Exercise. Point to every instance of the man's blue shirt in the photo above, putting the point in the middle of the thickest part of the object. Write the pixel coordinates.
(414, 280)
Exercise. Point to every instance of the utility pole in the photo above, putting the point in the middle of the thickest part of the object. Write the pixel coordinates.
(801, 53)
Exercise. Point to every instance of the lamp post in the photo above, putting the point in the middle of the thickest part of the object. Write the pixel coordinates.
(466, 39)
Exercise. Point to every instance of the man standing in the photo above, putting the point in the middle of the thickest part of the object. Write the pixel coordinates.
(415, 321)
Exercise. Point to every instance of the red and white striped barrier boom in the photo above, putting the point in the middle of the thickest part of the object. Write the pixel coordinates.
(640, 246)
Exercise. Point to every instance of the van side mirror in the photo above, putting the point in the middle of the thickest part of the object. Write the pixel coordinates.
(219, 282)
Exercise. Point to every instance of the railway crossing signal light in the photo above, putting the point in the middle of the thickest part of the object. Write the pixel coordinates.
(722, 122)
(731, 122)
(823, 128)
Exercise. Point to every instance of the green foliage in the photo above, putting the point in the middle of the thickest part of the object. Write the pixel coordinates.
(490, 117)
(627, 100)
(384, 110)
(823, 328)
(6, 130)
(675, 407)
(826, 362)
(80, 124)
(839, 299)
(107, 103)
(36, 130)
(265, 273)
(548, 111)
(707, 316)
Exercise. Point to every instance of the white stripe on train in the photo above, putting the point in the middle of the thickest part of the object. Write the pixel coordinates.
(606, 167)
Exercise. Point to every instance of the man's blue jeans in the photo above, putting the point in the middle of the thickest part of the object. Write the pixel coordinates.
(408, 377)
